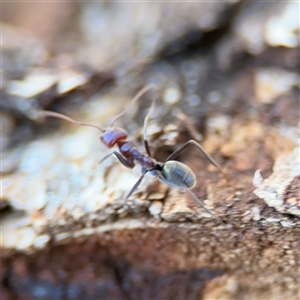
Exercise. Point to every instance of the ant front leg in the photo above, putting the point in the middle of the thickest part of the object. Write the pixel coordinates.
(128, 163)
(189, 143)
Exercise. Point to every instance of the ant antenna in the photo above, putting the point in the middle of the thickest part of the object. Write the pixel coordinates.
(145, 136)
(137, 97)
(48, 113)
(147, 118)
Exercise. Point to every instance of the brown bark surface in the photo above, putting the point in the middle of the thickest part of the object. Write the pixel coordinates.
(221, 78)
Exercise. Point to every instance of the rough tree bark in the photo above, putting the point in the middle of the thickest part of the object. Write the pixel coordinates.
(66, 231)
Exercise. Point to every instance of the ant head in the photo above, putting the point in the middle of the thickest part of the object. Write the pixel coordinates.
(113, 135)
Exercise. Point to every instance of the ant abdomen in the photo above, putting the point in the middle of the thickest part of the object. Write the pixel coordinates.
(177, 174)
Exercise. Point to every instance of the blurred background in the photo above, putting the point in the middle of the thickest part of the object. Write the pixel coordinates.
(230, 56)
(225, 73)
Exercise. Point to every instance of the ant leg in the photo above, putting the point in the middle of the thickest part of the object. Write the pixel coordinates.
(136, 185)
(200, 203)
(145, 137)
(189, 143)
(128, 163)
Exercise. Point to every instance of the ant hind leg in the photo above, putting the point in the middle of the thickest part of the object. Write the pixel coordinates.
(199, 147)
(200, 203)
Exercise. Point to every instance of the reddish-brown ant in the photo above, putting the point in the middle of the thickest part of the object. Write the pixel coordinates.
(172, 173)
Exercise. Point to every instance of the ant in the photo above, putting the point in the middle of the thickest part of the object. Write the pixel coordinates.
(172, 173)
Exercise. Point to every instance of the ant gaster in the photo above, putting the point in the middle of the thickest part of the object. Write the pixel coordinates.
(172, 173)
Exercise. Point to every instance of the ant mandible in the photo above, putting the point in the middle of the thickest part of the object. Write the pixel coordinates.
(172, 173)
